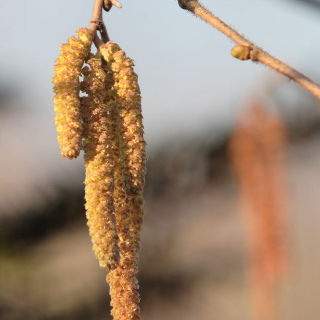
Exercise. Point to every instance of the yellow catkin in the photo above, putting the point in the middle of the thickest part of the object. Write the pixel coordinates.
(129, 150)
(100, 166)
(122, 280)
(66, 87)
(133, 155)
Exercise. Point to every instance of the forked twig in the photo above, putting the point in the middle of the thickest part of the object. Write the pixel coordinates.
(96, 22)
(96, 19)
(255, 53)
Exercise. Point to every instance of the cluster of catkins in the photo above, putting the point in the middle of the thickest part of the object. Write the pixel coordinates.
(105, 121)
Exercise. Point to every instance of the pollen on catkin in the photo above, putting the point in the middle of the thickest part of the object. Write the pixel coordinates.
(129, 147)
(67, 70)
(133, 155)
(101, 115)
(100, 165)
(122, 280)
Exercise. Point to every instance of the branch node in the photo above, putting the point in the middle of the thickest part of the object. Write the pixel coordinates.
(99, 24)
(254, 54)
(96, 15)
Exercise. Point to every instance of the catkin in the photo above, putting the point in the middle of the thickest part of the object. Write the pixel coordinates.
(129, 150)
(122, 280)
(66, 87)
(133, 155)
(106, 122)
(100, 165)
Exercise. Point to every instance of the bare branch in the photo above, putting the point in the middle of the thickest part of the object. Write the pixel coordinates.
(96, 22)
(96, 19)
(256, 54)
(97, 41)
(104, 33)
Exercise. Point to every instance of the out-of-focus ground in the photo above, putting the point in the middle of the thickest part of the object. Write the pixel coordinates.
(193, 257)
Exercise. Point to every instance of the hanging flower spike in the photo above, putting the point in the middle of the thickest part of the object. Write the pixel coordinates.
(66, 87)
(133, 155)
(99, 163)
(129, 181)
(122, 280)
(107, 124)
(130, 131)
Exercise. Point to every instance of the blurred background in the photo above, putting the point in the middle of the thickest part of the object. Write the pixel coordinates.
(194, 260)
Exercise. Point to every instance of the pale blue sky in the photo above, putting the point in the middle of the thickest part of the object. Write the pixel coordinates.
(187, 76)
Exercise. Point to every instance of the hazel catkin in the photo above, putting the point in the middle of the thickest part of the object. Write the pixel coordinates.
(99, 163)
(129, 148)
(133, 155)
(105, 121)
(67, 70)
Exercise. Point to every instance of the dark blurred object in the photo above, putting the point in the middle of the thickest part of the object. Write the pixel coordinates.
(314, 3)
(7, 94)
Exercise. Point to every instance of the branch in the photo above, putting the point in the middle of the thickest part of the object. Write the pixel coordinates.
(96, 19)
(98, 42)
(104, 33)
(248, 50)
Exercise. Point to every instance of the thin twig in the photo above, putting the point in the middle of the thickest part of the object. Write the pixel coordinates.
(104, 33)
(256, 53)
(96, 19)
(97, 41)
(96, 23)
